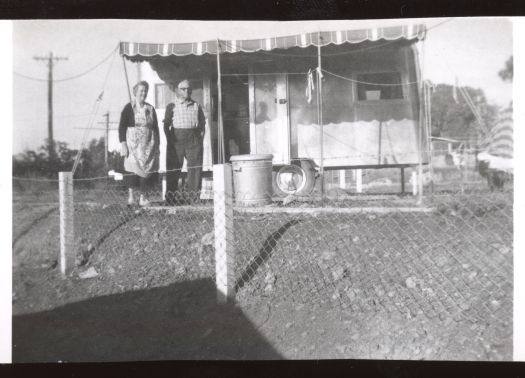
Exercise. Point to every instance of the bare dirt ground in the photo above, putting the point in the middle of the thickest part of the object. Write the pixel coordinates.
(419, 285)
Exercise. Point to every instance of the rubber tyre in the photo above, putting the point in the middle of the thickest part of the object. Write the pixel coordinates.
(307, 171)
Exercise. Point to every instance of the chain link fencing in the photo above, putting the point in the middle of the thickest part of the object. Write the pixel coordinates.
(443, 257)
(303, 268)
(376, 265)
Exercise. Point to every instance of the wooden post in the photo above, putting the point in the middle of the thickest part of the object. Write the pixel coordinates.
(379, 147)
(220, 128)
(420, 134)
(359, 180)
(223, 221)
(430, 147)
(464, 171)
(251, 97)
(106, 140)
(420, 183)
(402, 180)
(67, 237)
(320, 112)
(127, 80)
(50, 60)
(207, 159)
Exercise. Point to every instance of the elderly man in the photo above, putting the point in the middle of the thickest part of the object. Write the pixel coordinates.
(184, 128)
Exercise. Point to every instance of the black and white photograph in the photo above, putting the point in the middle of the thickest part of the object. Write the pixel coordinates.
(263, 190)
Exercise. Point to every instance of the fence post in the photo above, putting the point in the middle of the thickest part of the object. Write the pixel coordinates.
(414, 183)
(359, 180)
(164, 185)
(67, 237)
(223, 221)
(402, 180)
(342, 179)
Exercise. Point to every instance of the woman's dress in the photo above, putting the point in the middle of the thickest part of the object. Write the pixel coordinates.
(143, 142)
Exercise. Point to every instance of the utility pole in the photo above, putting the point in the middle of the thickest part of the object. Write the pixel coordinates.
(50, 63)
(106, 115)
(106, 129)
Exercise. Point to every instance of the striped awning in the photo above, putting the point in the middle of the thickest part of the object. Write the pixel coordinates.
(142, 50)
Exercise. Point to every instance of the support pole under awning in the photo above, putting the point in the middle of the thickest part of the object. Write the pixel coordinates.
(126, 77)
(220, 130)
(320, 111)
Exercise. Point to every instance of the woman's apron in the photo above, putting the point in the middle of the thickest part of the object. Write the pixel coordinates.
(143, 157)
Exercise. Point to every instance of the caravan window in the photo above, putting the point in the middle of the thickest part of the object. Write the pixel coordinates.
(164, 93)
(379, 86)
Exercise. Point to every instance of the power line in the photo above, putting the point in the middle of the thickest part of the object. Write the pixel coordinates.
(62, 116)
(71, 77)
(28, 77)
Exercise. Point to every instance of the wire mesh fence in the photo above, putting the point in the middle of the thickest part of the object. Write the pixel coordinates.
(381, 263)
(445, 262)
(449, 256)
(160, 244)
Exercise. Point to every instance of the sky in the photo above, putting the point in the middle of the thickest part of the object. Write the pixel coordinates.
(471, 49)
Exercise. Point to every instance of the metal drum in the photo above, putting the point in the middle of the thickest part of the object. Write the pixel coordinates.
(252, 179)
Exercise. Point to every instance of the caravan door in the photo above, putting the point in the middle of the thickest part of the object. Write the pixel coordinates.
(269, 126)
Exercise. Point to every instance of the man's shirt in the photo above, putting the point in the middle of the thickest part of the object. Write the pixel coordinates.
(186, 114)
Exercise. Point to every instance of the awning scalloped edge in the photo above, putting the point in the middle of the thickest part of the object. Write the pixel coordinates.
(408, 32)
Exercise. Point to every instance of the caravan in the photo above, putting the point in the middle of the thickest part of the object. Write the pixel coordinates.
(317, 101)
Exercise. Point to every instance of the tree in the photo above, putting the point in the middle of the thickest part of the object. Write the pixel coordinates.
(41, 163)
(507, 73)
(456, 119)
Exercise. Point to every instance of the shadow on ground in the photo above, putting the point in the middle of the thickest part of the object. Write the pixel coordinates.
(180, 321)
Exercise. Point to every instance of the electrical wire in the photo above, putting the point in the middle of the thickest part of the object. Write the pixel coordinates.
(63, 116)
(71, 77)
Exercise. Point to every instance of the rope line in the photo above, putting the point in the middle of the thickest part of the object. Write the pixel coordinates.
(369, 83)
(266, 74)
(92, 118)
(325, 71)
(360, 155)
(33, 179)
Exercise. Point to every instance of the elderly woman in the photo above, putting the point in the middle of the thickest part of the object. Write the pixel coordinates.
(139, 139)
